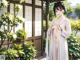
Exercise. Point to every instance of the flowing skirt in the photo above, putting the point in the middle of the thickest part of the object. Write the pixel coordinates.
(57, 50)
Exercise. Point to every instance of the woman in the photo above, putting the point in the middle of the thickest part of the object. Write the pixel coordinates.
(60, 29)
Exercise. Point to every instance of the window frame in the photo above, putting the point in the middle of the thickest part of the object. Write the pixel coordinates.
(33, 13)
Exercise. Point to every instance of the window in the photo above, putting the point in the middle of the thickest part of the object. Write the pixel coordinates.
(28, 20)
(11, 8)
(37, 21)
(28, 17)
(38, 2)
(29, 1)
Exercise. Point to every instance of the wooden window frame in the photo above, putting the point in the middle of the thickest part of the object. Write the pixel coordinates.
(33, 13)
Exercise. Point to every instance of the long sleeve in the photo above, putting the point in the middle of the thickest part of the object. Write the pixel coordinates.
(50, 27)
(65, 33)
(48, 39)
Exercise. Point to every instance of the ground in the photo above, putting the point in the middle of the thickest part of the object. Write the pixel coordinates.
(41, 58)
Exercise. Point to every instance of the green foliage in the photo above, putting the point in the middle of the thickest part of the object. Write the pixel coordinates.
(74, 41)
(3, 3)
(10, 20)
(19, 48)
(21, 34)
(68, 7)
(77, 10)
(17, 7)
(24, 51)
(29, 50)
(51, 12)
(51, 15)
(7, 22)
(11, 36)
(11, 54)
(2, 35)
(74, 47)
(75, 25)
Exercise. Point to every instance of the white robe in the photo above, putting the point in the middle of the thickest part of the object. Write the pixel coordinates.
(57, 49)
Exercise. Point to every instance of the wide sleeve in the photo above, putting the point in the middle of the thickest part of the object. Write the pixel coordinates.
(48, 39)
(50, 28)
(65, 33)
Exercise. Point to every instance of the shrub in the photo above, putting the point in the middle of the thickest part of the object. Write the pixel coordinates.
(75, 25)
(21, 35)
(74, 47)
(29, 51)
(24, 51)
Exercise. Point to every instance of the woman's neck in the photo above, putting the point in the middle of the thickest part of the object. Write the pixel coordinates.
(59, 17)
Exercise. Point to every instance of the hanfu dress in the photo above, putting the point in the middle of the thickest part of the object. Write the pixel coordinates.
(56, 42)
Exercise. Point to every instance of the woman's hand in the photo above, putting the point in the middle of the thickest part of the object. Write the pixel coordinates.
(62, 28)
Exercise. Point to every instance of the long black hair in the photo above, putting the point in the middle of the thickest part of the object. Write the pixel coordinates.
(58, 5)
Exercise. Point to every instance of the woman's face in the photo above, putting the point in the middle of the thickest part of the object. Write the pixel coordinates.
(59, 12)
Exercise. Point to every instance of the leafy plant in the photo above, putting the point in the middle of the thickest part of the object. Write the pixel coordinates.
(77, 10)
(11, 54)
(7, 22)
(75, 24)
(24, 51)
(74, 47)
(21, 35)
(10, 20)
(3, 3)
(29, 51)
